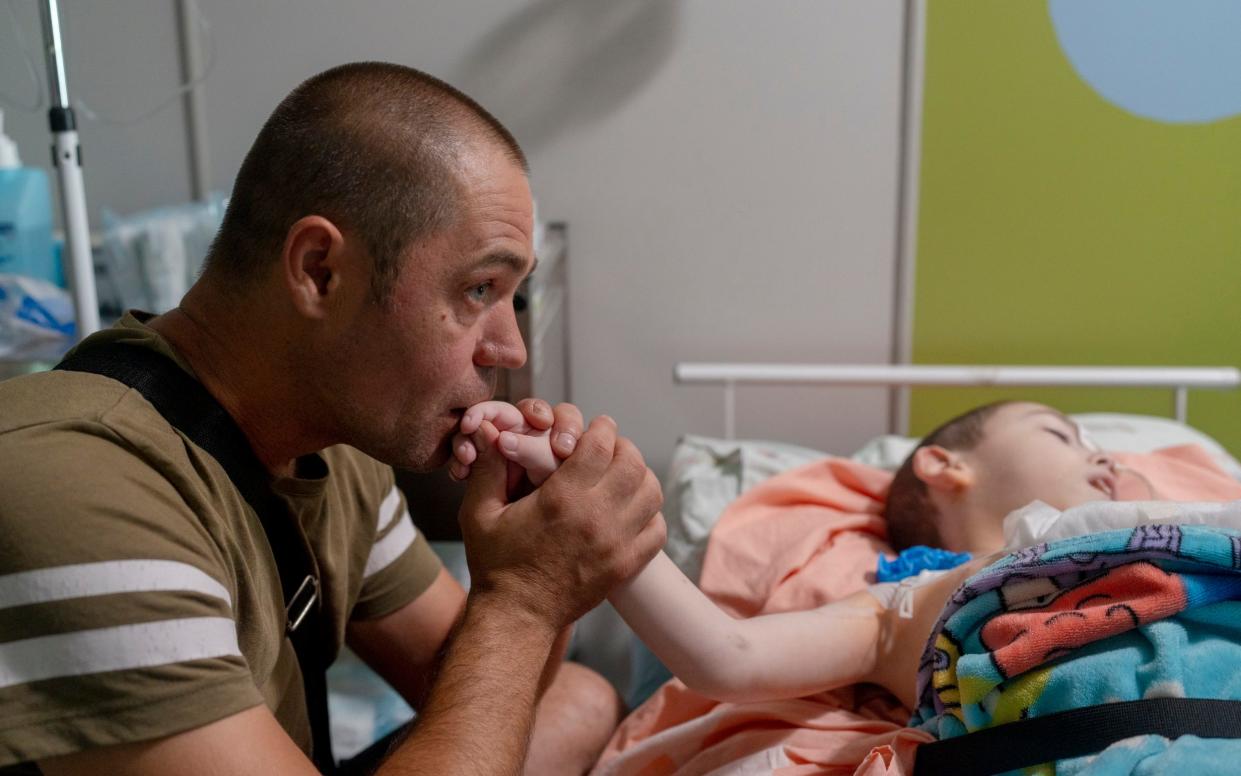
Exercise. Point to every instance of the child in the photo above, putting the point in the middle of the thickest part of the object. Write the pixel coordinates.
(952, 492)
(956, 488)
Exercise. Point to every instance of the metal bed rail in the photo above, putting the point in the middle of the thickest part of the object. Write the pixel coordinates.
(1179, 379)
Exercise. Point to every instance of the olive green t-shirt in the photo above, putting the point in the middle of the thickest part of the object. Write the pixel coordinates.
(138, 594)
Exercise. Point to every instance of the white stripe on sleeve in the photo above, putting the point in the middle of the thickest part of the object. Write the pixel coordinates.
(389, 548)
(389, 509)
(118, 648)
(80, 580)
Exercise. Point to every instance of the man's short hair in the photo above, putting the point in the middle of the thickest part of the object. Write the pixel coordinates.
(372, 147)
(912, 517)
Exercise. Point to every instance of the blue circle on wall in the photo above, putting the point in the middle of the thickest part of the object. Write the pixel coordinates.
(1177, 61)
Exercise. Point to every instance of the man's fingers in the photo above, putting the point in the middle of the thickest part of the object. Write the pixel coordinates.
(486, 491)
(652, 490)
(537, 413)
(566, 430)
(647, 544)
(593, 454)
(627, 474)
(645, 501)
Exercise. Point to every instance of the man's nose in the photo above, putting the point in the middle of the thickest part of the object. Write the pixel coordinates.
(502, 345)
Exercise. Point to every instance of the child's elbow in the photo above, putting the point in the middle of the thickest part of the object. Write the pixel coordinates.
(730, 686)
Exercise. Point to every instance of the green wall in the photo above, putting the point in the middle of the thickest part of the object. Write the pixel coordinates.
(1057, 228)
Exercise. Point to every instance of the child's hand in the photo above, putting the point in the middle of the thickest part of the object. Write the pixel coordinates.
(523, 445)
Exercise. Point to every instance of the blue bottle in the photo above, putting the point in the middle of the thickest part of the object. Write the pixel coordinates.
(25, 218)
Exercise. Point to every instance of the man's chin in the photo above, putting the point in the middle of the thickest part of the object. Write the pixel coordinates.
(429, 463)
(418, 458)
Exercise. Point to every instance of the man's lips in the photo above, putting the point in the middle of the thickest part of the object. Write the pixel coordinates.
(453, 418)
(459, 412)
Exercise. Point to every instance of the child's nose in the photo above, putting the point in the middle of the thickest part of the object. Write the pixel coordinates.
(1100, 458)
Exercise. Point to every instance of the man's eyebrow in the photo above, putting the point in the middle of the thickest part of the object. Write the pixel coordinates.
(507, 259)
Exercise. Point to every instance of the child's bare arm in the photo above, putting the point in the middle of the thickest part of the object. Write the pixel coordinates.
(785, 655)
(775, 656)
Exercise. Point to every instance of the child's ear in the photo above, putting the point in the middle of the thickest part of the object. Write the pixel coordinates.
(942, 469)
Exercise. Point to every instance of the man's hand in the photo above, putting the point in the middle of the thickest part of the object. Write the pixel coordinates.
(558, 551)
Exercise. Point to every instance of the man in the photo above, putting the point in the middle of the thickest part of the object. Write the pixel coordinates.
(359, 293)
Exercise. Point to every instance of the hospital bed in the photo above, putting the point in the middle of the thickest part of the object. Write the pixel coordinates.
(815, 535)
(706, 473)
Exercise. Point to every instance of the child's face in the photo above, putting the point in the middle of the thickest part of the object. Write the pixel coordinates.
(1028, 452)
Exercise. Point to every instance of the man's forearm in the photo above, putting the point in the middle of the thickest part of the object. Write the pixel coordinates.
(555, 657)
(479, 713)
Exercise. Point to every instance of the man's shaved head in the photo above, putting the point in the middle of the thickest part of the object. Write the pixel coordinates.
(371, 146)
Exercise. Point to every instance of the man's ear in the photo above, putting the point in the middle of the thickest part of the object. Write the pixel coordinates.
(311, 264)
(942, 470)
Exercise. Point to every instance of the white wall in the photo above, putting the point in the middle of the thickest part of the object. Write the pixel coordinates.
(728, 168)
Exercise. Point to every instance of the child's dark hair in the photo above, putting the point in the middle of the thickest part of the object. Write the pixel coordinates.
(911, 515)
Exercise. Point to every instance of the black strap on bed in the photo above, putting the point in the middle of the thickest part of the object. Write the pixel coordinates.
(1076, 733)
(187, 405)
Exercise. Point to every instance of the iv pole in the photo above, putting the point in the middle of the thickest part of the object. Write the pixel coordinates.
(67, 157)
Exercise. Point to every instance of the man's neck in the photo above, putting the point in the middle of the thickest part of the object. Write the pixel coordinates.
(238, 371)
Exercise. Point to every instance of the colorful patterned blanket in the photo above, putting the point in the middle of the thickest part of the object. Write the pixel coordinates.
(1144, 612)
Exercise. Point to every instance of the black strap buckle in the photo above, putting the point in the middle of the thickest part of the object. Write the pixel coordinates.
(299, 605)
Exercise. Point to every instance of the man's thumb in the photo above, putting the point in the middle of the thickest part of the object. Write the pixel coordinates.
(487, 485)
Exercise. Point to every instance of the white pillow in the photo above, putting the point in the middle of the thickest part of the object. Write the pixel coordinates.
(705, 476)
(888, 451)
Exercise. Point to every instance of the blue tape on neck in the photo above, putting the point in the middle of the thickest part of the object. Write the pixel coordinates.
(914, 560)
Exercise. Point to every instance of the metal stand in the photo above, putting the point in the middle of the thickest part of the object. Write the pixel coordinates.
(67, 156)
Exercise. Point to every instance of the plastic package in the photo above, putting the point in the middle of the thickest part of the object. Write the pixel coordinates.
(36, 319)
(151, 258)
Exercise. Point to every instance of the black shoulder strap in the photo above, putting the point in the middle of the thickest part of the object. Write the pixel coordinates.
(1076, 733)
(187, 405)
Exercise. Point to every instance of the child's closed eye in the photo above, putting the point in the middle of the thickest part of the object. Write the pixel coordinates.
(1062, 436)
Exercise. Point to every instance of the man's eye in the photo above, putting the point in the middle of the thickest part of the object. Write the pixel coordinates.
(479, 292)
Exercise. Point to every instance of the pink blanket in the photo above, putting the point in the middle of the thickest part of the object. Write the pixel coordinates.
(799, 540)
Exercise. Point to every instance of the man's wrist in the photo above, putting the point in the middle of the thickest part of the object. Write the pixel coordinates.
(516, 614)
